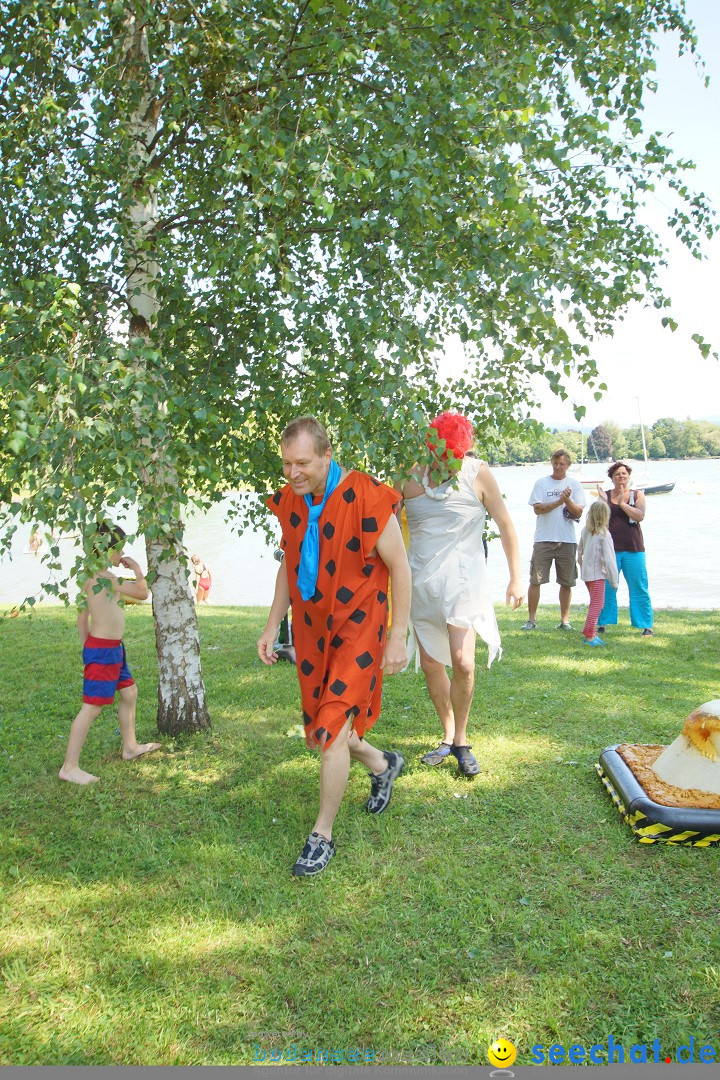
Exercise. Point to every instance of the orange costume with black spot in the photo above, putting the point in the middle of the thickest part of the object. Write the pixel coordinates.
(339, 633)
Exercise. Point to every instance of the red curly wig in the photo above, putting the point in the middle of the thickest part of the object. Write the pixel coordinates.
(456, 431)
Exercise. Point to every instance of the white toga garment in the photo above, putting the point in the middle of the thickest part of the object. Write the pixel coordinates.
(449, 576)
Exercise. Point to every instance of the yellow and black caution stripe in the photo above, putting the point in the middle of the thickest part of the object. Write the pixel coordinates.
(651, 822)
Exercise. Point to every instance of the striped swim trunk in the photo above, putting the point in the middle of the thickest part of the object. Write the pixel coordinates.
(106, 670)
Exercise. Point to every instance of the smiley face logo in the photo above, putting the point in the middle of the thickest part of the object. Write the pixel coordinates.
(501, 1053)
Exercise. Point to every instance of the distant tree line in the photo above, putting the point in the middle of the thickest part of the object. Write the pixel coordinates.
(666, 438)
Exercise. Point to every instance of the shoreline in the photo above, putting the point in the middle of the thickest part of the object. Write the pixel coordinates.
(244, 570)
(579, 606)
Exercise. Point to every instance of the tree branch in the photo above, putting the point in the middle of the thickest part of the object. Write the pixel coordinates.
(178, 139)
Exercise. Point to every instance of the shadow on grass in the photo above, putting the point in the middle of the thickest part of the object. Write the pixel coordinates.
(152, 918)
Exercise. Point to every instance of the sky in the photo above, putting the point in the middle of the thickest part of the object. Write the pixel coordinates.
(649, 371)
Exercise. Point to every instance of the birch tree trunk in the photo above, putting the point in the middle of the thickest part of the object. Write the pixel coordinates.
(182, 705)
(181, 692)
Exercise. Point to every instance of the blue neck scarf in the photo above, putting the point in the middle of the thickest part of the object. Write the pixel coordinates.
(310, 555)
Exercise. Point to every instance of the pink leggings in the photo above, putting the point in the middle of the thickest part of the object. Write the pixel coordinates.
(597, 599)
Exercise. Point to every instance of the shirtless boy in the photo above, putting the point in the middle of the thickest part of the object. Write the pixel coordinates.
(106, 669)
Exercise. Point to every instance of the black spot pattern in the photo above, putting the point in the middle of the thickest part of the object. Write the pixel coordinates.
(339, 664)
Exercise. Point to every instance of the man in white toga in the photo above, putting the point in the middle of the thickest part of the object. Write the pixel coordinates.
(451, 601)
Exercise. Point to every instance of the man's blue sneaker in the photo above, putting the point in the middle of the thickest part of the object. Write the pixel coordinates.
(381, 784)
(438, 755)
(595, 641)
(467, 764)
(314, 857)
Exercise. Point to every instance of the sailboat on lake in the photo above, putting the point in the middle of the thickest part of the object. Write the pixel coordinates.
(591, 484)
(648, 488)
(578, 471)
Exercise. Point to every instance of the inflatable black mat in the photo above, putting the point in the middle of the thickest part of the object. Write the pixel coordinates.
(652, 822)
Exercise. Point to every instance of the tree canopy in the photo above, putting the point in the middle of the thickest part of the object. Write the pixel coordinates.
(339, 186)
(315, 194)
(608, 441)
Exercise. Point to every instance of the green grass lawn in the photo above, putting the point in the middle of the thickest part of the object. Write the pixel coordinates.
(151, 919)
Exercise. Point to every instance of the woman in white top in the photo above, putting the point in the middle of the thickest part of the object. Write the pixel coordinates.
(451, 602)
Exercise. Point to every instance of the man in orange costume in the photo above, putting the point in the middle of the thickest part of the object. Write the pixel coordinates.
(342, 543)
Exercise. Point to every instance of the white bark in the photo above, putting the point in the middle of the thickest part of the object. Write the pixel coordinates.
(182, 704)
(181, 692)
(142, 269)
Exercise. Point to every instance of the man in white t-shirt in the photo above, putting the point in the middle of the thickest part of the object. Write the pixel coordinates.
(558, 504)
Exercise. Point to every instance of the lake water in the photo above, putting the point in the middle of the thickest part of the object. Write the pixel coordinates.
(681, 537)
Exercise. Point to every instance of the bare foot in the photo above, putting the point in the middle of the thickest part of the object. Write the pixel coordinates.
(77, 776)
(139, 750)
